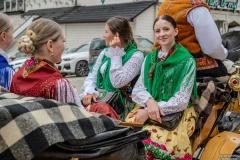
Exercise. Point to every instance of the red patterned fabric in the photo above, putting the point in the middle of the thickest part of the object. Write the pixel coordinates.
(104, 109)
(37, 78)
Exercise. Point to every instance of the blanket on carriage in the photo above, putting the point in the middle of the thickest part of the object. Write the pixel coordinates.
(209, 93)
(30, 125)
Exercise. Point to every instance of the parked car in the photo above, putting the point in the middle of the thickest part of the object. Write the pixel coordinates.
(75, 61)
(143, 44)
(16, 55)
(17, 63)
(98, 44)
(17, 59)
(78, 61)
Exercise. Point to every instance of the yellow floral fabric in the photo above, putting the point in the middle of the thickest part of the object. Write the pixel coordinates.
(166, 144)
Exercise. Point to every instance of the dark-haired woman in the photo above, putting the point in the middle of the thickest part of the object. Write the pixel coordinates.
(164, 87)
(115, 67)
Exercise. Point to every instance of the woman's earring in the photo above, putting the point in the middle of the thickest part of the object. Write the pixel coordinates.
(51, 53)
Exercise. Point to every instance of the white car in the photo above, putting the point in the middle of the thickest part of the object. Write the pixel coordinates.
(17, 63)
(75, 61)
(17, 59)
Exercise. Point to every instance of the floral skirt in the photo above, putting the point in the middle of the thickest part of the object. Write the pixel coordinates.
(164, 144)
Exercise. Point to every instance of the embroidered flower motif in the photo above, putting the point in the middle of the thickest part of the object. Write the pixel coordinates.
(149, 155)
(158, 137)
(163, 147)
(30, 63)
(185, 150)
(161, 128)
(154, 130)
(148, 141)
(175, 133)
(187, 156)
(156, 145)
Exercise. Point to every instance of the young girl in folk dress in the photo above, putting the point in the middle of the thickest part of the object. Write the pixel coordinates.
(164, 87)
(114, 69)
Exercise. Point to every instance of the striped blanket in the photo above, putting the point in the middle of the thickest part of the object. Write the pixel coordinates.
(30, 125)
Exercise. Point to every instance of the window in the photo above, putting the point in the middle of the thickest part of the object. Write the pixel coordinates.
(83, 48)
(98, 44)
(145, 43)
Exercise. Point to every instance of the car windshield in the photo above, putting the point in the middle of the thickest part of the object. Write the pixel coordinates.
(145, 43)
(98, 45)
(82, 48)
(17, 55)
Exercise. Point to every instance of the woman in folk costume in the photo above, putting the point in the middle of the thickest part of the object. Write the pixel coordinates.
(39, 77)
(6, 38)
(199, 34)
(167, 80)
(114, 69)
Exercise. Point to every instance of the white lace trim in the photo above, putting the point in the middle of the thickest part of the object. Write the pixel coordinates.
(66, 93)
(140, 95)
(180, 100)
(120, 75)
(117, 51)
(162, 54)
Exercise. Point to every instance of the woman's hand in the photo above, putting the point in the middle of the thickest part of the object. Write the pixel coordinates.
(142, 116)
(154, 111)
(115, 42)
(87, 100)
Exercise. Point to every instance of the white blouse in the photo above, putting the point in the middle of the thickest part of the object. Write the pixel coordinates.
(177, 103)
(120, 74)
(207, 33)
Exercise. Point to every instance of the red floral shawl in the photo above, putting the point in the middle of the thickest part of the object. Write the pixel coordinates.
(37, 78)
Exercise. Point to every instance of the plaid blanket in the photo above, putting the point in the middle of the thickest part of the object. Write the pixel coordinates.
(30, 125)
(209, 94)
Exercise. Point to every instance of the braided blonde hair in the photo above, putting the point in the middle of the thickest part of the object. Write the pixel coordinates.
(39, 33)
(5, 22)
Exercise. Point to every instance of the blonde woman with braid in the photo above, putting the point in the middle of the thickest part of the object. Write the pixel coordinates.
(6, 38)
(39, 77)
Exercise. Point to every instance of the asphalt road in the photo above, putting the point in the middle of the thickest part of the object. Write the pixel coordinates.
(77, 82)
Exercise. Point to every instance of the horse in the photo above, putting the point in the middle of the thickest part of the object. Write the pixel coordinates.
(231, 41)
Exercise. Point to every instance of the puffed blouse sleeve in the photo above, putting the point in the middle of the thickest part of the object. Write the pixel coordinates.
(122, 74)
(89, 84)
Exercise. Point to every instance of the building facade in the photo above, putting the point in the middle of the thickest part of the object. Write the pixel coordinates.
(83, 20)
